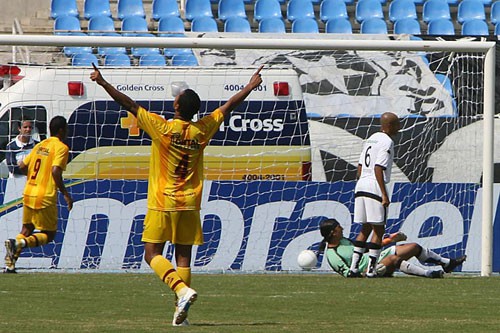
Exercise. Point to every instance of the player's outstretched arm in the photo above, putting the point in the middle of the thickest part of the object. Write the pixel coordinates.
(239, 97)
(122, 99)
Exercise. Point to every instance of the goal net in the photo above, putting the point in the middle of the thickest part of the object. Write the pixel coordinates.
(282, 162)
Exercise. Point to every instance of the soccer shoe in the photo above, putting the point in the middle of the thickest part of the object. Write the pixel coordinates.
(186, 298)
(184, 323)
(454, 263)
(10, 256)
(398, 237)
(352, 274)
(439, 274)
(8, 270)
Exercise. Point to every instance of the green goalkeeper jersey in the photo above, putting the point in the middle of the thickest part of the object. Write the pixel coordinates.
(340, 257)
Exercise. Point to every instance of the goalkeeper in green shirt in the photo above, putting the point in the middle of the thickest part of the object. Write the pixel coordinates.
(339, 251)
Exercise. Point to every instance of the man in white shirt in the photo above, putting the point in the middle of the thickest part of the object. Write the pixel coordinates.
(20, 147)
(371, 198)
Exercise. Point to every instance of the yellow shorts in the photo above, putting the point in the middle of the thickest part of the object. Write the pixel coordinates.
(42, 219)
(182, 227)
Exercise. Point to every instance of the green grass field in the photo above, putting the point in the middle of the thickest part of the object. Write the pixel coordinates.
(76, 302)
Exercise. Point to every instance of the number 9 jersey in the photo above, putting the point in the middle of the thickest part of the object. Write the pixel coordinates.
(41, 190)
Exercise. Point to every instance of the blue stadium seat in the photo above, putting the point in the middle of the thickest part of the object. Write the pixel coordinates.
(197, 8)
(272, 25)
(330, 9)
(204, 24)
(470, 10)
(105, 50)
(495, 13)
(66, 24)
(188, 59)
(100, 24)
(133, 25)
(231, 8)
(170, 25)
(401, 9)
(407, 26)
(338, 26)
(119, 60)
(93, 8)
(127, 8)
(435, 9)
(152, 60)
(84, 59)
(497, 29)
(475, 28)
(140, 51)
(171, 52)
(164, 8)
(305, 25)
(72, 50)
(264, 9)
(374, 26)
(366, 9)
(440, 27)
(297, 9)
(237, 24)
(63, 8)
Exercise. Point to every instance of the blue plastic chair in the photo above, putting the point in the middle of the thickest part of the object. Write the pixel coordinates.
(118, 60)
(106, 50)
(93, 8)
(164, 8)
(495, 13)
(69, 51)
(272, 25)
(475, 28)
(133, 25)
(237, 24)
(374, 26)
(338, 26)
(127, 8)
(330, 9)
(401, 9)
(264, 9)
(188, 59)
(152, 60)
(435, 9)
(231, 8)
(366, 9)
(204, 24)
(470, 10)
(440, 27)
(63, 8)
(197, 8)
(297, 9)
(170, 25)
(140, 51)
(409, 26)
(66, 24)
(305, 25)
(84, 59)
(100, 24)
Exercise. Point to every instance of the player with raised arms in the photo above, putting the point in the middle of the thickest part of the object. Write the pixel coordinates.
(175, 182)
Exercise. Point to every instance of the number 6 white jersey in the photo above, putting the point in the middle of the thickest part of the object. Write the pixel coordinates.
(377, 150)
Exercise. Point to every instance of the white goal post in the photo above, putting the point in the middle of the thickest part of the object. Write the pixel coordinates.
(191, 41)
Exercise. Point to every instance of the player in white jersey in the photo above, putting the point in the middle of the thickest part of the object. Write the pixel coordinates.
(371, 198)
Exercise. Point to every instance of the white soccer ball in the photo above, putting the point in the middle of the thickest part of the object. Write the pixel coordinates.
(307, 260)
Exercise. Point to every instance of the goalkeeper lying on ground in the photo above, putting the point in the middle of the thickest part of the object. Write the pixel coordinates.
(339, 252)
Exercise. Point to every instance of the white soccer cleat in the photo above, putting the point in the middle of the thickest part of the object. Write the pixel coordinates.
(187, 296)
(184, 323)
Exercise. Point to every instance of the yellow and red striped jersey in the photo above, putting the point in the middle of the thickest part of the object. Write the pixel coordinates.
(176, 164)
(41, 190)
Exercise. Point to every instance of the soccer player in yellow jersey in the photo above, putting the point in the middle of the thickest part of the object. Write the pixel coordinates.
(175, 182)
(44, 166)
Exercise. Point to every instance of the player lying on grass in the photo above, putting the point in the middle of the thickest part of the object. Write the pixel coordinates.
(339, 251)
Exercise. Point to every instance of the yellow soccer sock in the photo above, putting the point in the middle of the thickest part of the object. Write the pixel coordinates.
(37, 239)
(185, 274)
(165, 270)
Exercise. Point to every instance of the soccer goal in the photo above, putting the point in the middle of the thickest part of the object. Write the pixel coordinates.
(283, 161)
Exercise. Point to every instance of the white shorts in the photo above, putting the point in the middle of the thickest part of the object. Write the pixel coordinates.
(368, 203)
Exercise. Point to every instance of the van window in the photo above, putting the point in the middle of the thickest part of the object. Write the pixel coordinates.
(9, 124)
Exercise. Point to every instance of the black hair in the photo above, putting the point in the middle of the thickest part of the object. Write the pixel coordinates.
(56, 124)
(325, 228)
(189, 104)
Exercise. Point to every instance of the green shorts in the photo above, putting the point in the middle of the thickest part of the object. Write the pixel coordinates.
(365, 260)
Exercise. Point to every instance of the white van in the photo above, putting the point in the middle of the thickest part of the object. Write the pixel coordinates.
(265, 138)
